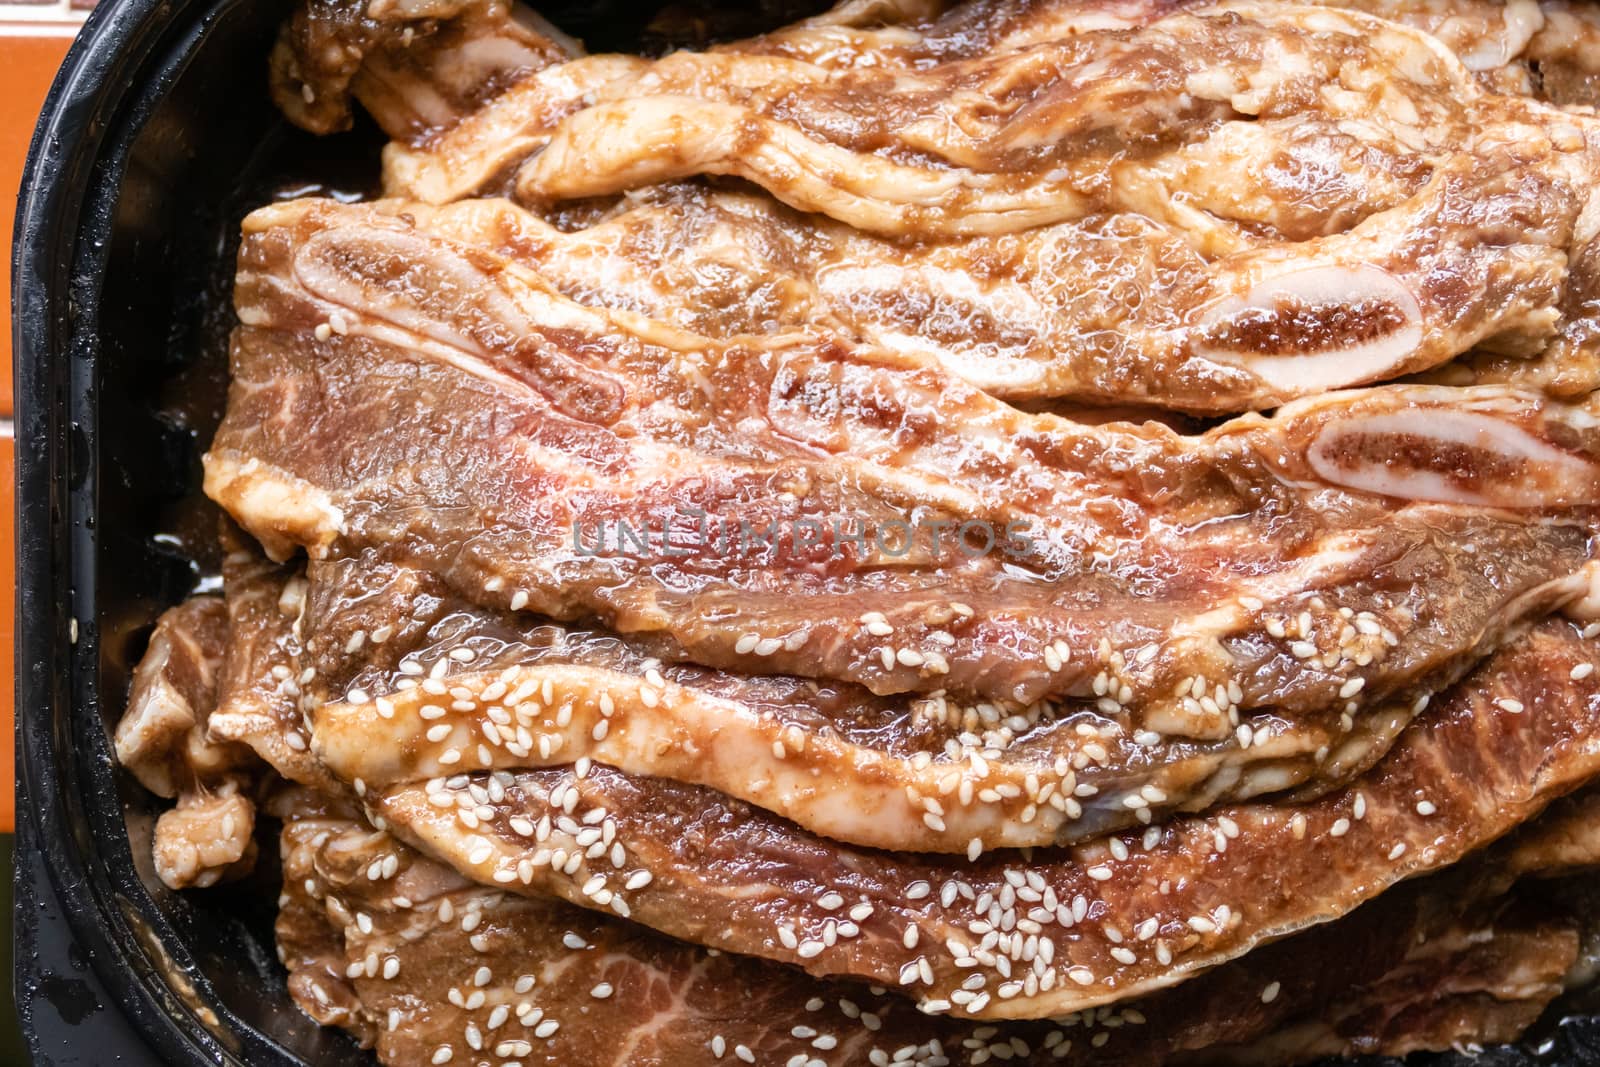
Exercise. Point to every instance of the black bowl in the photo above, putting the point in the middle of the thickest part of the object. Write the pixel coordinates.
(155, 139)
(155, 129)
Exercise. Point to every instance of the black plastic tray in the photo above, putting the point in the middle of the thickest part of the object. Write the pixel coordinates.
(156, 136)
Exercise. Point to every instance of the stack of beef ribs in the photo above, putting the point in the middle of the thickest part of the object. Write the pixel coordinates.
(1030, 531)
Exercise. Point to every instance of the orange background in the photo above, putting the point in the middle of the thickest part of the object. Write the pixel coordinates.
(27, 63)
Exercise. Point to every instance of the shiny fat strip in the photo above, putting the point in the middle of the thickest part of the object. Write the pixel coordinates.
(838, 789)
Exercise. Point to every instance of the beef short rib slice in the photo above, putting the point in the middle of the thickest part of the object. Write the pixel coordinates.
(1466, 987)
(1030, 935)
(399, 675)
(411, 958)
(267, 685)
(348, 643)
(161, 737)
(429, 399)
(468, 413)
(1546, 49)
(1447, 222)
(418, 67)
(412, 683)
(1403, 258)
(164, 738)
(1102, 121)
(1005, 141)
(640, 803)
(834, 758)
(1112, 309)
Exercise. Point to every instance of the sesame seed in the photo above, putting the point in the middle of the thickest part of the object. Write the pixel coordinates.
(1270, 993)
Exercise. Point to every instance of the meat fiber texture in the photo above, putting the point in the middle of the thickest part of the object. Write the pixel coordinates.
(1052, 531)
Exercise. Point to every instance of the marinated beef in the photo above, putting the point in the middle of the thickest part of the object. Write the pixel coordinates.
(686, 606)
(164, 738)
(384, 942)
(806, 507)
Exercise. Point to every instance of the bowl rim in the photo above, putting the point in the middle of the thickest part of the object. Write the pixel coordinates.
(120, 67)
